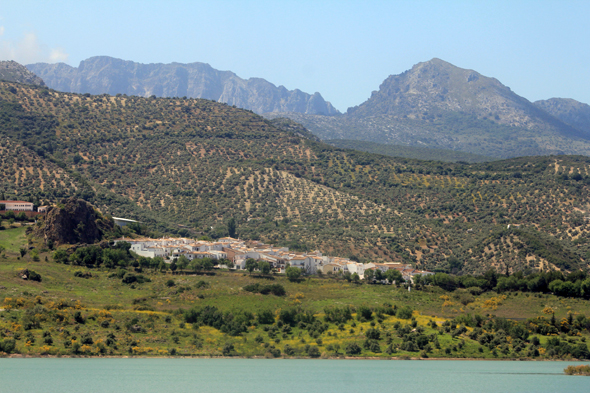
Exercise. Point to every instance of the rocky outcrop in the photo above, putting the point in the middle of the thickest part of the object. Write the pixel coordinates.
(72, 221)
(107, 75)
(11, 71)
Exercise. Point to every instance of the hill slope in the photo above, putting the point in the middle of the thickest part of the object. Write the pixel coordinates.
(185, 163)
(436, 104)
(11, 71)
(414, 152)
(107, 75)
(572, 112)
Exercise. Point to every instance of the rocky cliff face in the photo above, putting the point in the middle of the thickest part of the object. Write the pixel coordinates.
(73, 221)
(99, 75)
(12, 71)
(572, 112)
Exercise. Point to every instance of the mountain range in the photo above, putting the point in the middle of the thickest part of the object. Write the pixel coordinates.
(436, 104)
(433, 105)
(107, 75)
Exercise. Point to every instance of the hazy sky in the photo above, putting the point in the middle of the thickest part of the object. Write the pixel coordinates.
(342, 49)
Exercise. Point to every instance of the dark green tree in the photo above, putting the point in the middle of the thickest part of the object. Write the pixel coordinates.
(231, 227)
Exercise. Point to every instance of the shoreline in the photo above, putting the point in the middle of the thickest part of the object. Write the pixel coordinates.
(26, 356)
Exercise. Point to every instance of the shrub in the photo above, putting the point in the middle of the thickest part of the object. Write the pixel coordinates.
(202, 284)
(577, 370)
(363, 312)
(7, 345)
(81, 274)
(405, 312)
(373, 334)
(289, 350)
(266, 317)
(313, 352)
(352, 349)
(228, 349)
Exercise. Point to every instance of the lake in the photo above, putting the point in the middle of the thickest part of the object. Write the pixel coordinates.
(284, 376)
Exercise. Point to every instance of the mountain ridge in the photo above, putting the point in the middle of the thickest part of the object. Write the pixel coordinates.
(108, 75)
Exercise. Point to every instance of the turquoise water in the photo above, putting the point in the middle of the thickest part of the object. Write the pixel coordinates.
(284, 376)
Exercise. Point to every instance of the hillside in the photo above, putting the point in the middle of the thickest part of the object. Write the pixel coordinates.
(438, 105)
(413, 152)
(107, 75)
(11, 71)
(187, 166)
(572, 112)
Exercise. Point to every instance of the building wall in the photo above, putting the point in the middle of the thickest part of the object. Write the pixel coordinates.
(17, 205)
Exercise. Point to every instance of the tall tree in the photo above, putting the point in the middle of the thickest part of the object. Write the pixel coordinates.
(231, 227)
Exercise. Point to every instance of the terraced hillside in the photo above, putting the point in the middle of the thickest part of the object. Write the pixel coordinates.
(189, 165)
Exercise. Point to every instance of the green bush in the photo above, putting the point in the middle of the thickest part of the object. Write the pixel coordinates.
(7, 345)
(405, 312)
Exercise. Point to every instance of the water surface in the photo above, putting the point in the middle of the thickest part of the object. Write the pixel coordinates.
(284, 376)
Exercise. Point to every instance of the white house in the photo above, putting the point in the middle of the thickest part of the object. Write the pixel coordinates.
(17, 205)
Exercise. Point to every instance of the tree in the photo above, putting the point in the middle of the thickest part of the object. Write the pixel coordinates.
(227, 262)
(393, 275)
(182, 262)
(23, 252)
(231, 227)
(369, 275)
(251, 265)
(207, 264)
(162, 266)
(293, 273)
(264, 267)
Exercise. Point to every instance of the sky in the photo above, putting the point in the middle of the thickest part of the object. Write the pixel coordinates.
(342, 49)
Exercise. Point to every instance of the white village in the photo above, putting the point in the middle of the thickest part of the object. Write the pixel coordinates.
(237, 252)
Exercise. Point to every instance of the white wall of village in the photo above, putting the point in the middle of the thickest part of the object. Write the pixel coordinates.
(238, 251)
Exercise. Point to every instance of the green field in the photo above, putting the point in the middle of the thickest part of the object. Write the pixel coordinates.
(12, 239)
